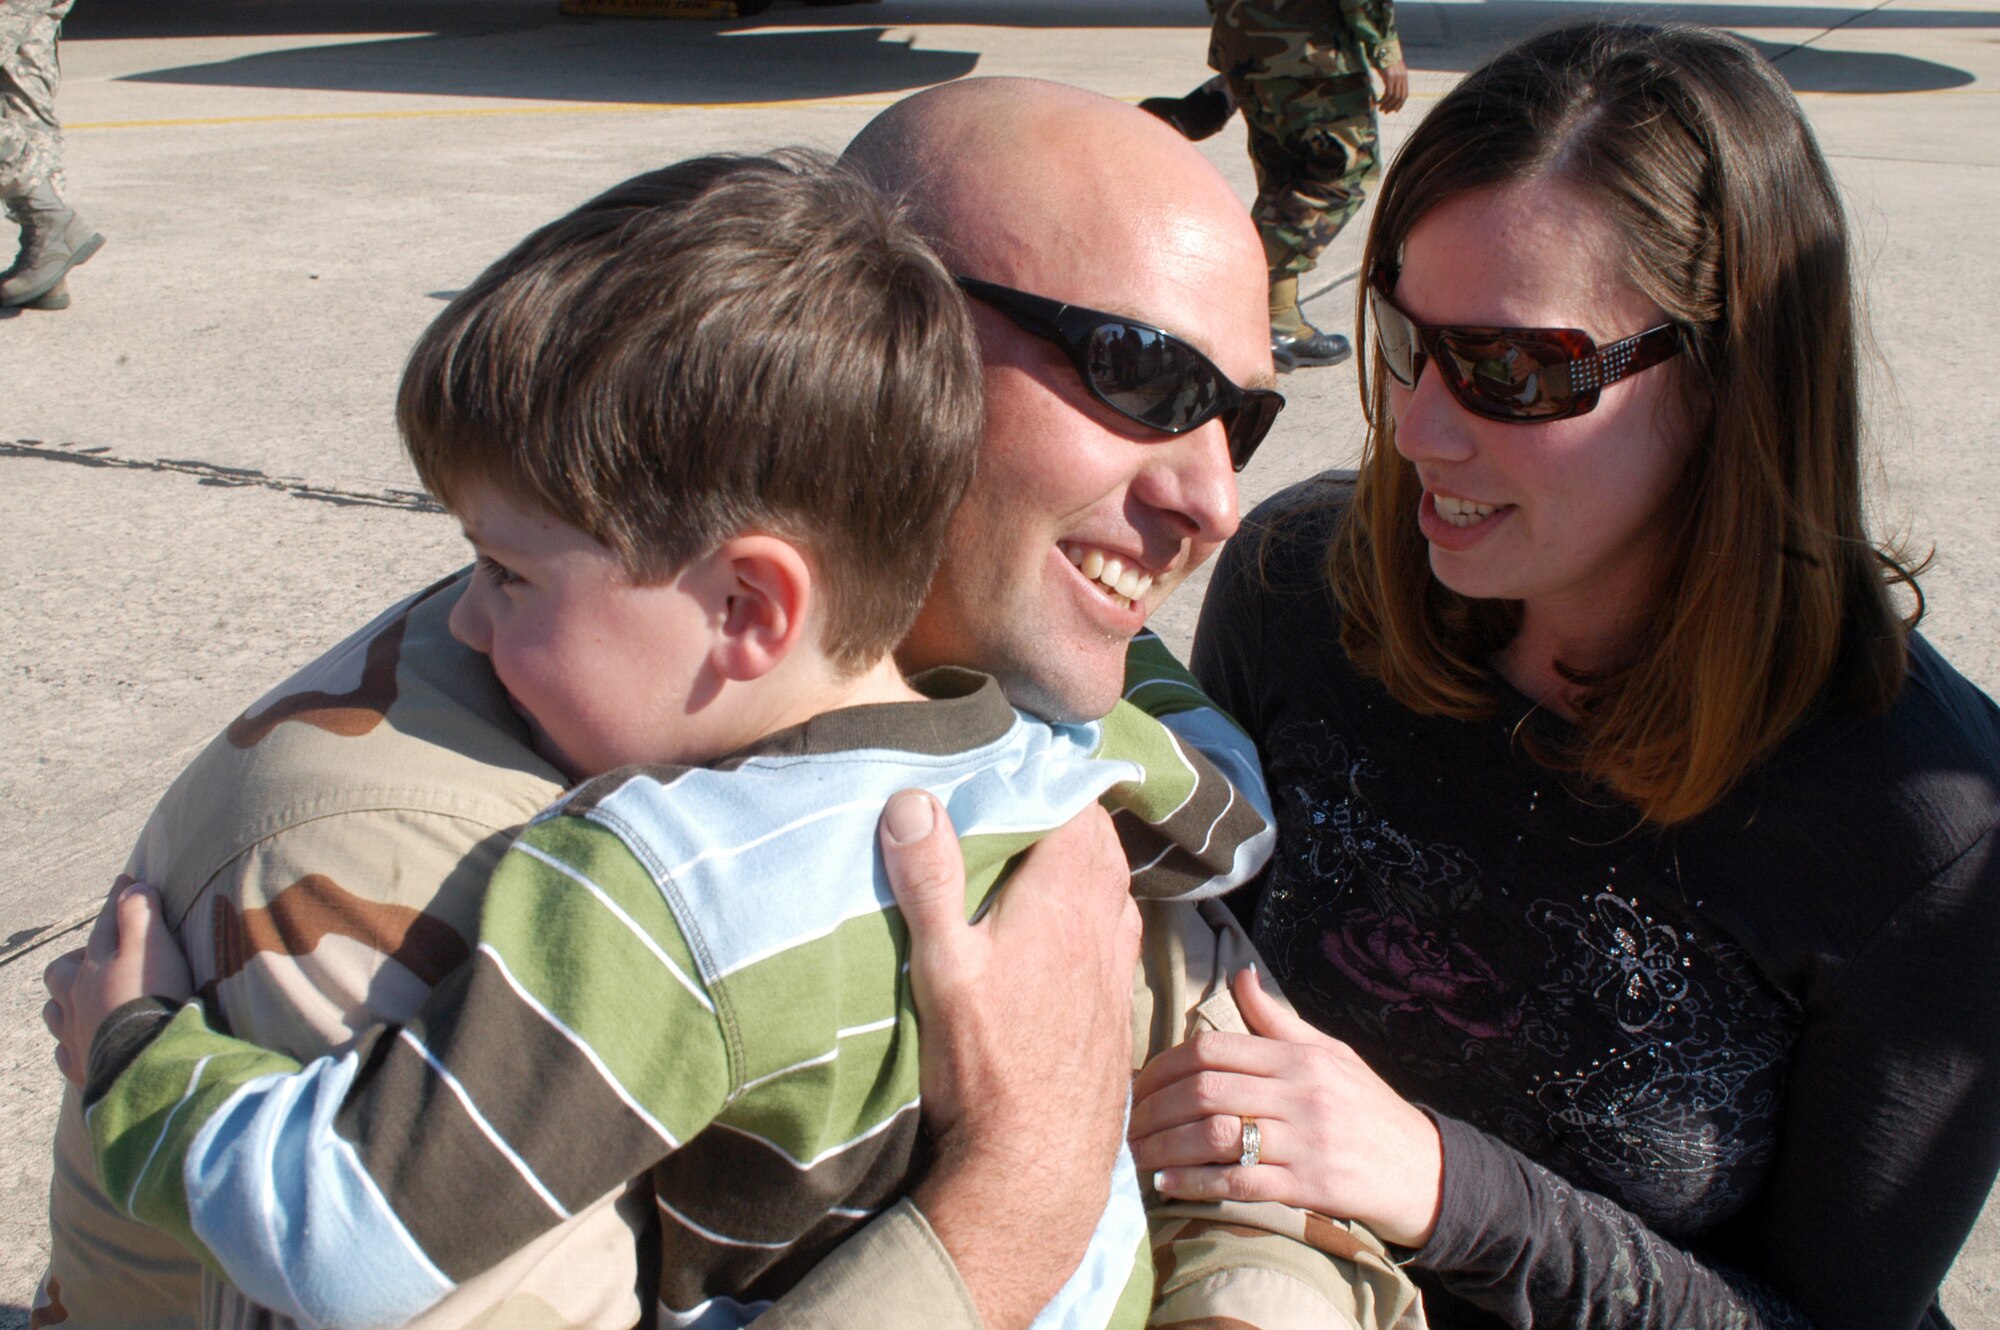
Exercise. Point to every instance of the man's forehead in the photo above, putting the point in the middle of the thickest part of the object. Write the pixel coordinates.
(1106, 207)
(1184, 290)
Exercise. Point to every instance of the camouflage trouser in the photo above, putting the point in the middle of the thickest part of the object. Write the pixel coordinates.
(1315, 144)
(30, 137)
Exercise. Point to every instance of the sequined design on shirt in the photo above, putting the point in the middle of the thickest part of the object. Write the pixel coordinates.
(1633, 963)
(1586, 1025)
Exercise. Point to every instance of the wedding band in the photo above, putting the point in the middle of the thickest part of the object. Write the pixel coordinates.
(1253, 1143)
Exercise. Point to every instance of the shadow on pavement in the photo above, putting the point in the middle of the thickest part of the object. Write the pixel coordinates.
(121, 19)
(527, 49)
(606, 60)
(1458, 36)
(1815, 69)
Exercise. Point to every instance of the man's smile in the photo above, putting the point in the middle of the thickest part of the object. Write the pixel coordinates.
(1119, 576)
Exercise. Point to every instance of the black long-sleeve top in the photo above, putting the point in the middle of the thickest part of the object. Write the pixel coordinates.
(1744, 1072)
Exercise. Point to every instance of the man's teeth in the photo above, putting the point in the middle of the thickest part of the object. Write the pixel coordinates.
(1461, 512)
(1110, 572)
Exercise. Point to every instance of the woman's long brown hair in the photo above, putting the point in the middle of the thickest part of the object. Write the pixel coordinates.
(1773, 601)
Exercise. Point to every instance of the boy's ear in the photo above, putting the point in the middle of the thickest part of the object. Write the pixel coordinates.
(765, 590)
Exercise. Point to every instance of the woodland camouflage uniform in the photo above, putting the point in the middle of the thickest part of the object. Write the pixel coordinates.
(1299, 70)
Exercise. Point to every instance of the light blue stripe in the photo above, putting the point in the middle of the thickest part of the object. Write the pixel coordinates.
(712, 834)
(1251, 856)
(293, 1239)
(716, 1314)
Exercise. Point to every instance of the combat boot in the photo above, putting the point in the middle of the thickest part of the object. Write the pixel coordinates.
(1199, 115)
(1295, 343)
(53, 240)
(56, 297)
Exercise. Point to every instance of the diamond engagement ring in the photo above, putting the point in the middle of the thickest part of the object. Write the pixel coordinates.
(1253, 1143)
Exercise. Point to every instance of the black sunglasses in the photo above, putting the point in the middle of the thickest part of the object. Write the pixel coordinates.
(1517, 375)
(1143, 373)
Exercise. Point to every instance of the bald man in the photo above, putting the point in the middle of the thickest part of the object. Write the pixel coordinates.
(1031, 1030)
(1067, 195)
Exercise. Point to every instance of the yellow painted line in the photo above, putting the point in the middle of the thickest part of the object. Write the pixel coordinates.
(469, 112)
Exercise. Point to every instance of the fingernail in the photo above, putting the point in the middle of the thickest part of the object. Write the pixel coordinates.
(909, 816)
(1160, 1180)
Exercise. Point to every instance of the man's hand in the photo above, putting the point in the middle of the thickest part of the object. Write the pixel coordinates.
(1027, 1045)
(130, 954)
(1395, 87)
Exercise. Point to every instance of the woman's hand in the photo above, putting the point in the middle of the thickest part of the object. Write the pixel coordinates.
(1335, 1138)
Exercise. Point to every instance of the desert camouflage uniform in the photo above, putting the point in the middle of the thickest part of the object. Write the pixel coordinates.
(1299, 71)
(323, 861)
(30, 137)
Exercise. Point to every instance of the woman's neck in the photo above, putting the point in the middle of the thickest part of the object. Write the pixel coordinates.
(1549, 643)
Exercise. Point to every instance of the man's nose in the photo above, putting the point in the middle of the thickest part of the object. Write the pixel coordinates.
(1191, 479)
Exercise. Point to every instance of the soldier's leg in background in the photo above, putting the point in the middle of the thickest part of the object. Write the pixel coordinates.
(1199, 115)
(19, 152)
(1331, 141)
(30, 135)
(53, 238)
(1341, 141)
(1203, 112)
(1311, 178)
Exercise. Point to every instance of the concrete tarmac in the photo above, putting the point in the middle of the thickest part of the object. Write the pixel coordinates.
(200, 485)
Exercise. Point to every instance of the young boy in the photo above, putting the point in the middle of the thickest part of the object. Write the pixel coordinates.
(705, 436)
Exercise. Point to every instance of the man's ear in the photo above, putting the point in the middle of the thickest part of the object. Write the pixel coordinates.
(764, 592)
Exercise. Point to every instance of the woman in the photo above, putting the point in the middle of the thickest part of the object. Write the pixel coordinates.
(1624, 825)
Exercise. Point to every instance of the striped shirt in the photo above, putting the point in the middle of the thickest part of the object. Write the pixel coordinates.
(695, 973)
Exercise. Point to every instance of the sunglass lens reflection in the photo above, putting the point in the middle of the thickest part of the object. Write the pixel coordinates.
(1148, 376)
(1515, 377)
(1398, 341)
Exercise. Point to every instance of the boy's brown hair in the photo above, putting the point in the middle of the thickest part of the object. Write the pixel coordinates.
(728, 344)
